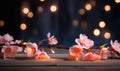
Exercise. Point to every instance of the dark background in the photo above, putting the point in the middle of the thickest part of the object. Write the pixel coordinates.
(60, 22)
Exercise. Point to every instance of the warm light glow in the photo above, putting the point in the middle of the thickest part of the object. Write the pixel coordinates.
(29, 50)
(107, 35)
(75, 22)
(96, 32)
(88, 7)
(53, 8)
(52, 50)
(82, 11)
(102, 24)
(117, 1)
(23, 26)
(1, 23)
(30, 14)
(42, 0)
(77, 59)
(40, 9)
(107, 8)
(25, 10)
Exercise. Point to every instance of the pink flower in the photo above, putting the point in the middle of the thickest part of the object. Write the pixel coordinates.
(42, 56)
(97, 56)
(88, 57)
(51, 39)
(84, 42)
(18, 41)
(115, 45)
(76, 50)
(91, 56)
(104, 53)
(6, 38)
(31, 49)
(10, 51)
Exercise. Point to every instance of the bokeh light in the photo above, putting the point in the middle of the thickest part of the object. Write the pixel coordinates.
(88, 7)
(25, 10)
(117, 1)
(53, 8)
(96, 32)
(102, 24)
(42, 0)
(40, 9)
(1, 23)
(75, 22)
(23, 26)
(30, 14)
(107, 35)
(82, 11)
(107, 8)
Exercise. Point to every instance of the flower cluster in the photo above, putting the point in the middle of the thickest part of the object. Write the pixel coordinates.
(9, 48)
(76, 52)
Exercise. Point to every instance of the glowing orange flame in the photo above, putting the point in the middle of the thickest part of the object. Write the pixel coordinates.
(52, 50)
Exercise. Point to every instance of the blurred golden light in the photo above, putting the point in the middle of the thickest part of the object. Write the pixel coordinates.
(25, 10)
(40, 9)
(88, 7)
(53, 8)
(117, 1)
(107, 8)
(42, 0)
(75, 22)
(1, 23)
(96, 32)
(82, 11)
(23, 26)
(30, 14)
(102, 24)
(107, 35)
(52, 50)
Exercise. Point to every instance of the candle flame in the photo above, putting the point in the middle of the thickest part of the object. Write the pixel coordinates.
(52, 50)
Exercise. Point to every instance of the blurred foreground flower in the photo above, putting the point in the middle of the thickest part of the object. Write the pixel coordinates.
(6, 38)
(42, 56)
(104, 52)
(9, 51)
(91, 57)
(115, 46)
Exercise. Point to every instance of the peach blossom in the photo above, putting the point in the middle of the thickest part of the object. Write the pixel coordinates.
(88, 57)
(76, 50)
(51, 39)
(31, 49)
(104, 53)
(6, 38)
(84, 42)
(10, 51)
(115, 45)
(42, 56)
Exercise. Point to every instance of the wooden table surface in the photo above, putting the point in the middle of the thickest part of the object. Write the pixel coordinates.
(58, 62)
